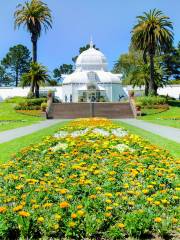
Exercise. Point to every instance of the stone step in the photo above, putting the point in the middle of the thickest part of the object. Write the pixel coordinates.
(84, 110)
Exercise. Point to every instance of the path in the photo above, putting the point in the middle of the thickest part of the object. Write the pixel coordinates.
(9, 135)
(164, 131)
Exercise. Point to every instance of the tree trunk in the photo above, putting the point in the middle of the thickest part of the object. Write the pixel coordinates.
(34, 56)
(152, 88)
(17, 77)
(146, 91)
(36, 90)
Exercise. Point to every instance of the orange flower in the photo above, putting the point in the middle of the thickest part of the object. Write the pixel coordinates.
(24, 214)
(64, 205)
(158, 220)
(73, 215)
(3, 209)
(120, 225)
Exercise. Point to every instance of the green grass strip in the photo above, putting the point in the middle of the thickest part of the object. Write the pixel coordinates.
(9, 148)
(171, 146)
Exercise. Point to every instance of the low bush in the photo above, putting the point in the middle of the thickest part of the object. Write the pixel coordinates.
(43, 106)
(150, 101)
(30, 104)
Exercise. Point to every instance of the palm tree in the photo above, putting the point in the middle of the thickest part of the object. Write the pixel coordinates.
(34, 15)
(36, 75)
(153, 35)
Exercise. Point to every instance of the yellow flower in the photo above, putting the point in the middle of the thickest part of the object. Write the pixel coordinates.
(157, 203)
(46, 205)
(35, 206)
(145, 191)
(40, 219)
(108, 201)
(72, 224)
(18, 208)
(24, 214)
(157, 220)
(63, 191)
(131, 203)
(3, 209)
(57, 217)
(174, 220)
(56, 226)
(81, 213)
(73, 215)
(109, 208)
(79, 207)
(120, 225)
(164, 201)
(108, 195)
(19, 187)
(92, 196)
(64, 205)
(108, 214)
(150, 200)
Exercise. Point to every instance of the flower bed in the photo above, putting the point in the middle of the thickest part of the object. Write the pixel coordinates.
(91, 180)
(34, 113)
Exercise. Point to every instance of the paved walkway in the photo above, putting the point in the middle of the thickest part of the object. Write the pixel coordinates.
(164, 131)
(9, 135)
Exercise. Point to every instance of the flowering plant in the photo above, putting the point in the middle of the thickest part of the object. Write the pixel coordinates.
(92, 179)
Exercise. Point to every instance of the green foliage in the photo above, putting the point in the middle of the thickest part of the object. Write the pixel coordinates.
(171, 63)
(150, 101)
(176, 81)
(36, 76)
(30, 104)
(34, 15)
(5, 78)
(152, 35)
(63, 69)
(43, 106)
(17, 61)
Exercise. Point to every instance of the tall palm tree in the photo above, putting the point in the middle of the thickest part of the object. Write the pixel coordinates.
(36, 75)
(153, 35)
(34, 15)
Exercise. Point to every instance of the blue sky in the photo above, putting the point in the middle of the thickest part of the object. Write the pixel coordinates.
(108, 21)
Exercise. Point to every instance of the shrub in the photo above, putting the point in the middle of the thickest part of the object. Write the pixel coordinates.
(30, 104)
(150, 101)
(43, 106)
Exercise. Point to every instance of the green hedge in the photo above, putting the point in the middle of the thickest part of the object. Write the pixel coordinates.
(31, 104)
(150, 101)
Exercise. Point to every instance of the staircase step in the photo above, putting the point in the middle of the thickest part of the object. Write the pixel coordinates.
(84, 110)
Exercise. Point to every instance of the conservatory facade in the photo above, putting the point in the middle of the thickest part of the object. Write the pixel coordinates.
(91, 81)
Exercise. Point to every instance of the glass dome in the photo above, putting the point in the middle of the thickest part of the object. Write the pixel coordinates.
(90, 60)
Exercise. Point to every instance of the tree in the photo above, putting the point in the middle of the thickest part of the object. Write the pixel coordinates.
(17, 61)
(82, 49)
(5, 78)
(153, 35)
(171, 63)
(63, 69)
(136, 72)
(36, 75)
(34, 15)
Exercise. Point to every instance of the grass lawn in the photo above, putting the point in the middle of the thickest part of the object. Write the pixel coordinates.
(164, 117)
(10, 119)
(9, 148)
(172, 146)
